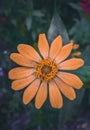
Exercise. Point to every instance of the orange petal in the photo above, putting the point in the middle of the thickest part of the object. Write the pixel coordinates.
(41, 95)
(67, 90)
(28, 52)
(20, 72)
(43, 45)
(55, 95)
(20, 60)
(71, 64)
(22, 83)
(55, 47)
(31, 91)
(76, 54)
(64, 53)
(70, 79)
(75, 46)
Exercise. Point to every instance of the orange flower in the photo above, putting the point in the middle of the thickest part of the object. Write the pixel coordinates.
(43, 74)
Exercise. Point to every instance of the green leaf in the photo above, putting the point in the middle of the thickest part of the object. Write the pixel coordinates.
(28, 22)
(86, 55)
(80, 30)
(75, 6)
(89, 97)
(70, 108)
(57, 28)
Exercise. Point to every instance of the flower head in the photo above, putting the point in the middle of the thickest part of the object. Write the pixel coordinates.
(86, 6)
(43, 74)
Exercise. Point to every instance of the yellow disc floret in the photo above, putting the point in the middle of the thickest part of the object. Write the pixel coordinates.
(46, 70)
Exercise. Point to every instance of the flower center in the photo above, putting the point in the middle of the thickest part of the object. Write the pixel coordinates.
(46, 70)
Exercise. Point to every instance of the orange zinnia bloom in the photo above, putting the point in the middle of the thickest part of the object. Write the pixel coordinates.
(44, 73)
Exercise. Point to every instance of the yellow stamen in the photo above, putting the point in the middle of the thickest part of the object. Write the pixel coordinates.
(46, 70)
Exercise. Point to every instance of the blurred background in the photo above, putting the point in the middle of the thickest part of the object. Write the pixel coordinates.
(21, 21)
